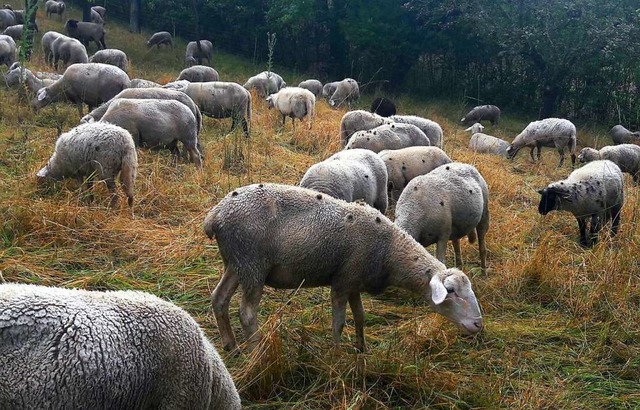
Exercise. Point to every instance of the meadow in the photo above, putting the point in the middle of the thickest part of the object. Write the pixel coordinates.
(562, 322)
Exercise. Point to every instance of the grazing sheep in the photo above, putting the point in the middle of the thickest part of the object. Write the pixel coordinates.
(8, 50)
(47, 42)
(69, 51)
(142, 83)
(550, 132)
(329, 88)
(621, 135)
(54, 7)
(432, 129)
(101, 11)
(486, 144)
(159, 38)
(91, 83)
(219, 99)
(199, 74)
(294, 102)
(359, 120)
(314, 86)
(21, 75)
(448, 203)
(198, 51)
(625, 156)
(266, 83)
(482, 112)
(111, 56)
(347, 91)
(8, 18)
(357, 174)
(96, 17)
(15, 32)
(95, 150)
(288, 237)
(383, 107)
(388, 136)
(105, 350)
(594, 191)
(156, 123)
(405, 164)
(86, 32)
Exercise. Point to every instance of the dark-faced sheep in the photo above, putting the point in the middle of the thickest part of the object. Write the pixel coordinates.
(383, 107)
(86, 32)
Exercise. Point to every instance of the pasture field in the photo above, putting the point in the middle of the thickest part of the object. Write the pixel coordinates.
(562, 322)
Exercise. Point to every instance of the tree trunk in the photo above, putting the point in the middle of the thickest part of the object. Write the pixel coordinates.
(134, 16)
(86, 10)
(550, 96)
(196, 19)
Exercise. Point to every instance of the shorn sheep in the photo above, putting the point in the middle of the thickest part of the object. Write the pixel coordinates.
(199, 74)
(77, 349)
(8, 50)
(47, 41)
(625, 156)
(388, 136)
(314, 86)
(359, 120)
(294, 102)
(383, 106)
(621, 135)
(347, 92)
(95, 150)
(265, 83)
(486, 144)
(198, 51)
(86, 32)
(550, 132)
(593, 192)
(69, 51)
(357, 174)
(481, 113)
(431, 129)
(111, 56)
(160, 38)
(288, 237)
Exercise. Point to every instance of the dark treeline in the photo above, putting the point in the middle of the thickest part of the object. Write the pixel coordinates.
(573, 58)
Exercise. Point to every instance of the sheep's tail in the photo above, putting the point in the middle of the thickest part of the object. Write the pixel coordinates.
(128, 175)
(472, 236)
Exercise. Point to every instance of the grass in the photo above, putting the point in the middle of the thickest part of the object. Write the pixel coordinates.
(562, 322)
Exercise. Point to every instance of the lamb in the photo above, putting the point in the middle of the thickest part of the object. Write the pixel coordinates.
(24, 75)
(383, 107)
(294, 102)
(159, 38)
(95, 150)
(91, 83)
(329, 88)
(405, 164)
(625, 156)
(8, 50)
(550, 132)
(347, 91)
(199, 74)
(357, 174)
(486, 144)
(314, 86)
(359, 120)
(47, 42)
(54, 7)
(621, 135)
(266, 83)
(482, 112)
(198, 51)
(111, 56)
(86, 32)
(288, 237)
(105, 350)
(388, 136)
(594, 191)
(142, 83)
(69, 51)
(432, 129)
(448, 203)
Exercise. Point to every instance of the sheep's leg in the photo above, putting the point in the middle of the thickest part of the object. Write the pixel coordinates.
(220, 299)
(284, 118)
(561, 152)
(539, 148)
(596, 225)
(194, 156)
(338, 311)
(355, 302)
(245, 127)
(249, 314)
(615, 210)
(111, 186)
(531, 154)
(582, 226)
(456, 250)
(481, 231)
(441, 247)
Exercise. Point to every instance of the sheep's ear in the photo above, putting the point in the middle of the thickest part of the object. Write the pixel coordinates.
(463, 118)
(469, 129)
(42, 94)
(541, 191)
(42, 173)
(438, 291)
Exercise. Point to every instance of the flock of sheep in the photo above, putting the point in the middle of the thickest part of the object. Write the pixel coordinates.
(330, 230)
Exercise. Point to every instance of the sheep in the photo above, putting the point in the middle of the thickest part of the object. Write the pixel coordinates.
(359, 120)
(431, 129)
(91, 83)
(95, 150)
(625, 156)
(388, 136)
(8, 50)
(47, 41)
(347, 91)
(198, 51)
(549, 132)
(594, 191)
(156, 123)
(159, 38)
(69, 51)
(314, 86)
(486, 144)
(24, 75)
(294, 102)
(199, 74)
(8, 18)
(219, 99)
(288, 237)
(405, 164)
(448, 203)
(621, 135)
(383, 107)
(111, 56)
(266, 83)
(15, 32)
(86, 32)
(329, 88)
(142, 83)
(101, 11)
(54, 7)
(96, 18)
(78, 349)
(357, 174)
(482, 112)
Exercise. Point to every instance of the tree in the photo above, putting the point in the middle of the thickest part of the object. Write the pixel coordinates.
(134, 16)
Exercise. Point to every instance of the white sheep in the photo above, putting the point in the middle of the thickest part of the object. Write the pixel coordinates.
(8, 50)
(594, 192)
(431, 129)
(77, 349)
(47, 41)
(69, 51)
(289, 237)
(159, 38)
(482, 112)
(21, 75)
(550, 132)
(359, 120)
(314, 86)
(142, 83)
(621, 135)
(329, 88)
(15, 32)
(111, 56)
(198, 51)
(294, 102)
(199, 74)
(486, 144)
(388, 136)
(266, 83)
(357, 174)
(448, 203)
(95, 150)
(625, 156)
(347, 91)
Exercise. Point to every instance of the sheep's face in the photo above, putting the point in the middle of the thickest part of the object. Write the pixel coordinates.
(477, 127)
(270, 102)
(453, 297)
(587, 155)
(42, 99)
(190, 61)
(512, 151)
(549, 200)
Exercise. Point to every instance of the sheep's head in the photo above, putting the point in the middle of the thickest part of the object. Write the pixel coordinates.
(588, 154)
(42, 99)
(512, 151)
(270, 102)
(477, 127)
(190, 61)
(453, 297)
